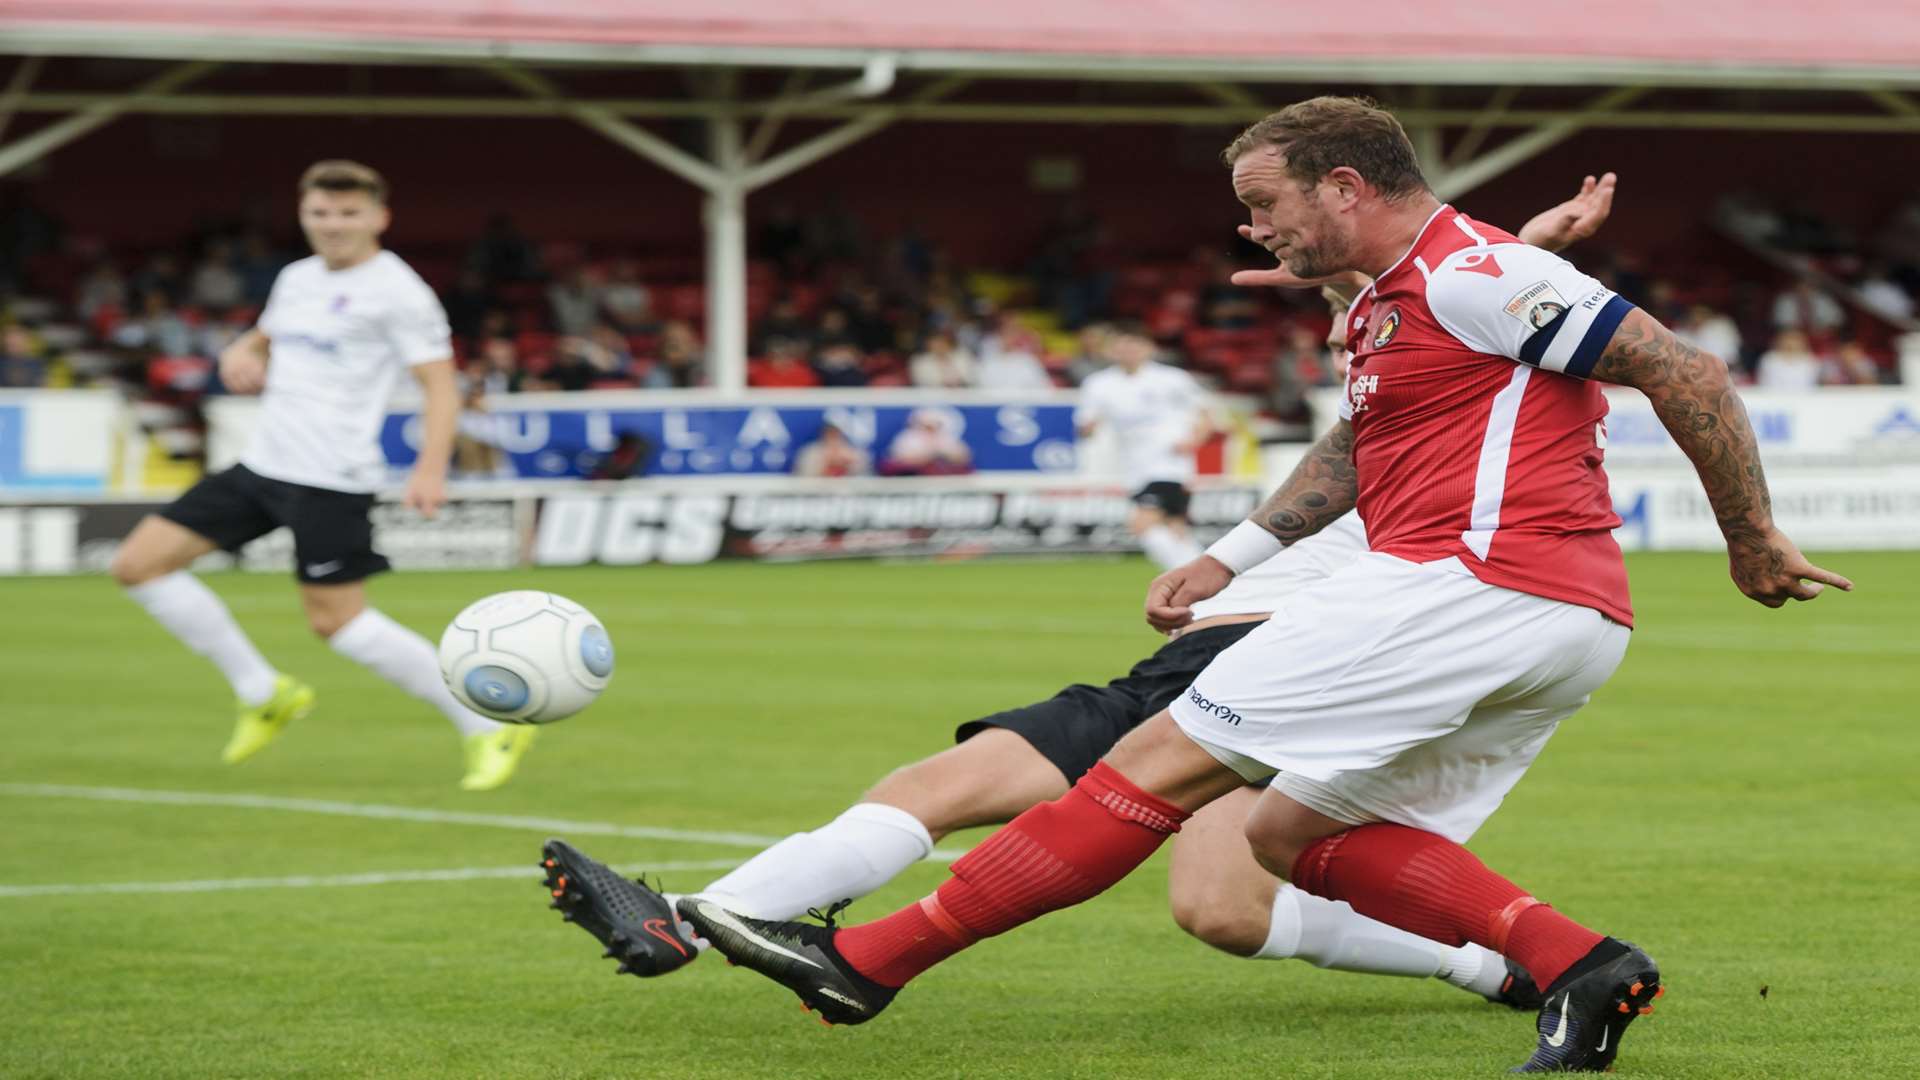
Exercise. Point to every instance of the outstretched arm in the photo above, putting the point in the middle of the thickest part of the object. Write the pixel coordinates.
(1321, 488)
(1694, 398)
(1562, 226)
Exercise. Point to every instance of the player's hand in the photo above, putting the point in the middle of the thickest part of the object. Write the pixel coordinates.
(1171, 597)
(1279, 277)
(1768, 568)
(426, 492)
(243, 371)
(1574, 220)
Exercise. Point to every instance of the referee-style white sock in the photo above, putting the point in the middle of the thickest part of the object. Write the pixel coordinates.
(191, 612)
(1330, 934)
(848, 857)
(408, 661)
(1169, 548)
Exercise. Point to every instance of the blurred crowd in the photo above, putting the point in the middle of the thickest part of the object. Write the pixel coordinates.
(831, 306)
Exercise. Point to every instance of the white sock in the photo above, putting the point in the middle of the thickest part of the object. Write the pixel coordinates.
(409, 662)
(1330, 934)
(191, 612)
(1169, 548)
(846, 858)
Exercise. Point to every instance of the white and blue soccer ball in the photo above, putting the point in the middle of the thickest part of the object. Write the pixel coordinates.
(526, 657)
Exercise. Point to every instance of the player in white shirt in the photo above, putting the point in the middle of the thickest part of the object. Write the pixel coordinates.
(339, 329)
(1160, 416)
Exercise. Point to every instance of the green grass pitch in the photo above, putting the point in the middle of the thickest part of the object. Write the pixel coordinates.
(1741, 799)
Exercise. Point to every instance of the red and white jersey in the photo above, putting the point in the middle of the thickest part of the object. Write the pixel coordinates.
(1476, 433)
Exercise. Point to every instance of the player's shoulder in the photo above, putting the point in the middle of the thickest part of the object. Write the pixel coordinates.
(402, 279)
(1102, 379)
(303, 269)
(1172, 376)
(1505, 277)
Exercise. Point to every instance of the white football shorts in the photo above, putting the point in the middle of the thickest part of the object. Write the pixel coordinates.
(1398, 691)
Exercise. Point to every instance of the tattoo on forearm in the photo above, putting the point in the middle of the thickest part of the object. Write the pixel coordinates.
(1321, 488)
(1696, 401)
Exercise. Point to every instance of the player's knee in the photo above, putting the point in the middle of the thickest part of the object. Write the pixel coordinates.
(135, 564)
(327, 621)
(1217, 920)
(1274, 847)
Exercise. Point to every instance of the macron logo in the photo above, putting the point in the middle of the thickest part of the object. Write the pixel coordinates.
(1220, 711)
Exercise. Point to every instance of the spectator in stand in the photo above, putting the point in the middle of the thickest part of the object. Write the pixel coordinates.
(683, 359)
(161, 274)
(867, 320)
(1790, 364)
(1011, 360)
(497, 370)
(157, 329)
(216, 286)
(1224, 305)
(258, 264)
(626, 302)
(502, 255)
(783, 320)
(832, 455)
(574, 302)
(23, 361)
(943, 365)
(1881, 295)
(784, 367)
(611, 354)
(929, 445)
(1091, 354)
(1709, 331)
(103, 288)
(834, 329)
(1852, 365)
(840, 365)
(1804, 307)
(467, 304)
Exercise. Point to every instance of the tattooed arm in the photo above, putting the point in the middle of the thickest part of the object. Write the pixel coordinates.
(1321, 488)
(1695, 399)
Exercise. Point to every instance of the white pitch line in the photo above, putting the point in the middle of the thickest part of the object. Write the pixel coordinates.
(401, 813)
(315, 881)
(378, 810)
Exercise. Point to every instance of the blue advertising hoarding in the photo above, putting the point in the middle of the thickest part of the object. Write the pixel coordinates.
(720, 440)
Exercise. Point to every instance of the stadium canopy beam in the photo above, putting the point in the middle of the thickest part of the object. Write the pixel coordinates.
(480, 107)
(23, 77)
(28, 149)
(730, 176)
(1459, 179)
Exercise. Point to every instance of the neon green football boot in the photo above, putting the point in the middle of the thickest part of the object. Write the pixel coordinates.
(492, 758)
(261, 724)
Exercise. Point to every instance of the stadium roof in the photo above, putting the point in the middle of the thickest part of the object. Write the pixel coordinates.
(1865, 43)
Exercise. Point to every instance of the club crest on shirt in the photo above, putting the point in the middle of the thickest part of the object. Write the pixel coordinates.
(1537, 305)
(1389, 326)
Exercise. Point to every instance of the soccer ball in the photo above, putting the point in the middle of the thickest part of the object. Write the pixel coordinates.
(526, 657)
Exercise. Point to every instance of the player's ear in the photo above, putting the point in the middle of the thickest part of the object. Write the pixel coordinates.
(1347, 185)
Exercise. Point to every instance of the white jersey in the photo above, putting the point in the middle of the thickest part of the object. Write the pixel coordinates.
(339, 341)
(1153, 411)
(1264, 586)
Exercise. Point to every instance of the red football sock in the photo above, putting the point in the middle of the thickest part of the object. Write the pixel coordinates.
(1429, 885)
(1055, 855)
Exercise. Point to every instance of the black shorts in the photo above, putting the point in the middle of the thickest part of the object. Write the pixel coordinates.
(332, 532)
(1165, 496)
(1077, 726)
